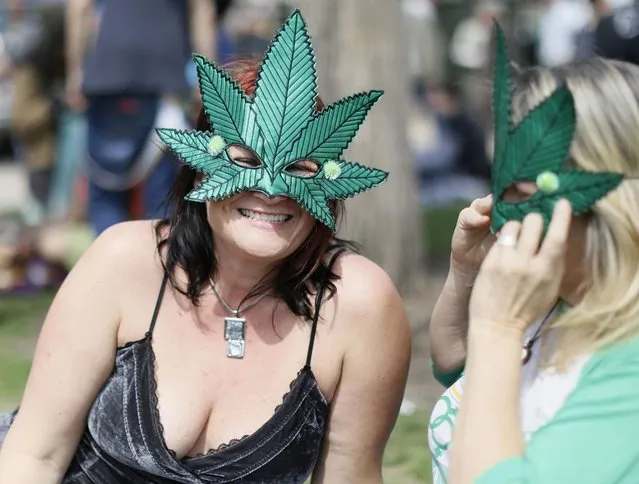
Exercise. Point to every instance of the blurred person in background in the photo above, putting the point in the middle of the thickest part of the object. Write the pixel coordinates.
(254, 27)
(33, 42)
(470, 50)
(226, 50)
(455, 166)
(585, 39)
(559, 24)
(426, 49)
(470, 44)
(611, 30)
(127, 71)
(617, 33)
(34, 45)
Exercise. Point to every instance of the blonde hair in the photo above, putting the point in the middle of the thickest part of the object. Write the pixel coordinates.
(606, 97)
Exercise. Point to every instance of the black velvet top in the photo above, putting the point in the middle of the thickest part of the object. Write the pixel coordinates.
(124, 443)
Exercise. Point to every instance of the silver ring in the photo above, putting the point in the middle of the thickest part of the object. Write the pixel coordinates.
(507, 240)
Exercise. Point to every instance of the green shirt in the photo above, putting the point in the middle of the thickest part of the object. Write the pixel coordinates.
(593, 437)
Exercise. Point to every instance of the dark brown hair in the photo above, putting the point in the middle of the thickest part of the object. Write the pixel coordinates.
(187, 239)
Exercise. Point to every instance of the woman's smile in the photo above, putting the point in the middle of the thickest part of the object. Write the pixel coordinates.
(268, 217)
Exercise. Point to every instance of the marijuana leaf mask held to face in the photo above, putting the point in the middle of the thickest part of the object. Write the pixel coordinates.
(537, 150)
(281, 127)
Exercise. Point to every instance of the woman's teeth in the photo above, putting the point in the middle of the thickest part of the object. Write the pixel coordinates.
(272, 218)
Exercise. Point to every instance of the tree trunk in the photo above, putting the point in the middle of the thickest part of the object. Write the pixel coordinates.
(359, 47)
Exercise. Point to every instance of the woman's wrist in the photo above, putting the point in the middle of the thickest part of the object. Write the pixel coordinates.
(449, 327)
(494, 336)
(494, 353)
(495, 328)
(461, 278)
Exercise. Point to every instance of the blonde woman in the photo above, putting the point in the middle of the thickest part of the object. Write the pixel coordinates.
(541, 391)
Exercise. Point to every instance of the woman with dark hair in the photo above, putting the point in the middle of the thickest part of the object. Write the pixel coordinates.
(254, 289)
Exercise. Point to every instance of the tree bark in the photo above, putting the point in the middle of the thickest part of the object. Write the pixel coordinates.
(361, 46)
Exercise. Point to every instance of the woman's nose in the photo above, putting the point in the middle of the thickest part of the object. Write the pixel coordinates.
(271, 200)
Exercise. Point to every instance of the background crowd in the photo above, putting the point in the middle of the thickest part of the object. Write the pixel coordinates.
(82, 86)
(83, 83)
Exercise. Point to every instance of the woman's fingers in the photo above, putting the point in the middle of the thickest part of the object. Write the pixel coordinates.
(509, 236)
(469, 219)
(477, 215)
(530, 236)
(522, 276)
(483, 205)
(554, 244)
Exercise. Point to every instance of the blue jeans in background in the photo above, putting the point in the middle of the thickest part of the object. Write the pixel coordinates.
(108, 207)
(123, 152)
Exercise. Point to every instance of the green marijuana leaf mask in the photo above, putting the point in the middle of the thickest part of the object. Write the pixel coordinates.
(537, 150)
(279, 124)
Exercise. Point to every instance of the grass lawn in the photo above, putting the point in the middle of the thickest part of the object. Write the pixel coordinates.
(439, 224)
(407, 458)
(406, 461)
(20, 320)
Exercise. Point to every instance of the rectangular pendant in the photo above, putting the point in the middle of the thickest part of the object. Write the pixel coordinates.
(234, 336)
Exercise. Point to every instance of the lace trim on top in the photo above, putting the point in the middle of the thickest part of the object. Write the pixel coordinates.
(156, 408)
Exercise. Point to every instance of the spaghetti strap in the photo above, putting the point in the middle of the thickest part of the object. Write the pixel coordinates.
(158, 303)
(318, 306)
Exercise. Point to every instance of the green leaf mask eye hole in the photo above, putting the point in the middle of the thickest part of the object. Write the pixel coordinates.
(303, 168)
(243, 156)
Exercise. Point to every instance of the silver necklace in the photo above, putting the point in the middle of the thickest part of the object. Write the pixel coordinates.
(235, 325)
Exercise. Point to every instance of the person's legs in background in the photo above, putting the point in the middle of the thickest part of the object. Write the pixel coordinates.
(157, 186)
(162, 174)
(117, 128)
(33, 128)
(106, 207)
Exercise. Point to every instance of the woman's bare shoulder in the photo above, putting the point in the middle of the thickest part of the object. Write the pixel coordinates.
(77, 344)
(119, 269)
(365, 291)
(130, 248)
(374, 338)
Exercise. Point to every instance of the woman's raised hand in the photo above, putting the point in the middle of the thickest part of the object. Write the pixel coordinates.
(471, 239)
(520, 278)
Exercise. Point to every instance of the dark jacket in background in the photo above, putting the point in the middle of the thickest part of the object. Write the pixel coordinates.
(617, 35)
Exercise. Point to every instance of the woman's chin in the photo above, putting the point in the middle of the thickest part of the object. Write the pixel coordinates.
(264, 250)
